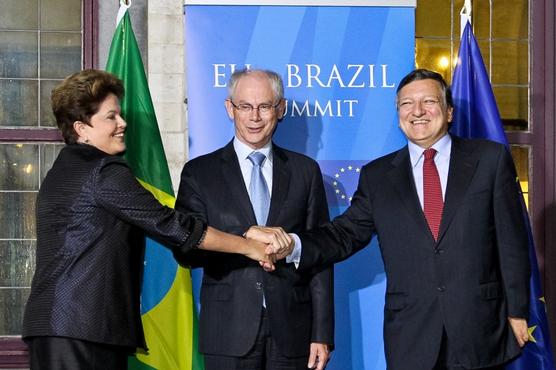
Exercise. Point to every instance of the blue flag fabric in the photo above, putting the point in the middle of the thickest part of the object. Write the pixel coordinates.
(476, 116)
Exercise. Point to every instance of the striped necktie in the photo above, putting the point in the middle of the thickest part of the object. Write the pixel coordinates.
(433, 203)
(258, 190)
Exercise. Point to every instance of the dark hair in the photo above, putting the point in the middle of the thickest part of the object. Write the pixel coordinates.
(425, 74)
(275, 81)
(79, 96)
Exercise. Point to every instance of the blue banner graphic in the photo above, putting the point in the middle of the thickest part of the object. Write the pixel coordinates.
(340, 66)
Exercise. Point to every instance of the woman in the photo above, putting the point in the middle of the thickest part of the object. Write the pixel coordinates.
(83, 310)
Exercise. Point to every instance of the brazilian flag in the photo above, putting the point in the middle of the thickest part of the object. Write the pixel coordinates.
(167, 308)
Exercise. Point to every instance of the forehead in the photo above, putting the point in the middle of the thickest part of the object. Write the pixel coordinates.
(254, 86)
(427, 87)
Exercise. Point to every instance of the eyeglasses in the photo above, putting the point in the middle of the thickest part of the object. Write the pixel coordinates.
(246, 108)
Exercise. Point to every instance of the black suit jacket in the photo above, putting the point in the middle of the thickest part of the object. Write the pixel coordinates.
(299, 305)
(91, 212)
(468, 282)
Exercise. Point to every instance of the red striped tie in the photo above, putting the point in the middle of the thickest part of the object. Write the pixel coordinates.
(433, 203)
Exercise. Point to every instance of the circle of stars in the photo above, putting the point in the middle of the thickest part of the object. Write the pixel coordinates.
(335, 183)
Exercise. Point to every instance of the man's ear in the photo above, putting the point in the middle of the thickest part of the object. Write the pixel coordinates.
(281, 109)
(229, 108)
(450, 114)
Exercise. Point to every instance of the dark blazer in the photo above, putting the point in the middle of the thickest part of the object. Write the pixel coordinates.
(468, 282)
(90, 213)
(299, 305)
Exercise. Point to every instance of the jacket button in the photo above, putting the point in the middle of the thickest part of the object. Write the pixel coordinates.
(259, 285)
(441, 288)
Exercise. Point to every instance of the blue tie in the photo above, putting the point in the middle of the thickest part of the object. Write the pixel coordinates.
(258, 190)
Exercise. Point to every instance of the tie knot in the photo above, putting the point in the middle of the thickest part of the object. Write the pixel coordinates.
(257, 158)
(429, 153)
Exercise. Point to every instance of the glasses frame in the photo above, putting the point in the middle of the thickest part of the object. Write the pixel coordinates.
(257, 108)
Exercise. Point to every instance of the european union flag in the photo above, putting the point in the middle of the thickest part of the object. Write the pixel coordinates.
(476, 116)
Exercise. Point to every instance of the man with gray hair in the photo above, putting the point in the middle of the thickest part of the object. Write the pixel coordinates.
(250, 319)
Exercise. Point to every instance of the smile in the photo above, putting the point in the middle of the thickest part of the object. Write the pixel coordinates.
(419, 121)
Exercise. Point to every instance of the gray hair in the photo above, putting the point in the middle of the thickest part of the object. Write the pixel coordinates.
(274, 78)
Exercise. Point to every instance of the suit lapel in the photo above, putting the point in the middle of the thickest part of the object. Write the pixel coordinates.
(280, 183)
(401, 177)
(236, 185)
(460, 174)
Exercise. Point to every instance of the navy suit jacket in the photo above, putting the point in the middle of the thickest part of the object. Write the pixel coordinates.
(468, 282)
(299, 304)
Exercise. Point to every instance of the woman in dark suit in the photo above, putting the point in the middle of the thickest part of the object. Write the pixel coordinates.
(83, 310)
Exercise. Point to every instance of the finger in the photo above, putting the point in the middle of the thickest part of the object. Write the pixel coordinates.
(282, 239)
(269, 249)
(268, 267)
(312, 359)
(287, 241)
(259, 233)
(323, 358)
(321, 364)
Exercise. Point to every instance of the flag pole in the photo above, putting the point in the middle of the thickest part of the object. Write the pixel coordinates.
(465, 16)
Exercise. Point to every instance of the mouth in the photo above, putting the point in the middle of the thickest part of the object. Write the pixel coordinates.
(419, 122)
(119, 135)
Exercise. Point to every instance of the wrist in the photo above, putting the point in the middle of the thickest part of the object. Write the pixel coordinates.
(246, 245)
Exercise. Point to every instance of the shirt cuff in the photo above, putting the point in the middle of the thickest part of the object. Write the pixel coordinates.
(295, 255)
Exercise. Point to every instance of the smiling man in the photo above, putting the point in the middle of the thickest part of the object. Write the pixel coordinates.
(250, 319)
(448, 218)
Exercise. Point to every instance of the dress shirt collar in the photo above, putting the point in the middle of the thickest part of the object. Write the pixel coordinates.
(243, 150)
(443, 148)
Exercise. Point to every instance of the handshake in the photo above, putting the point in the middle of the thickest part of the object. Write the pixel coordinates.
(268, 245)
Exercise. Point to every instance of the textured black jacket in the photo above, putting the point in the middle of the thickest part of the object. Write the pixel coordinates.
(90, 215)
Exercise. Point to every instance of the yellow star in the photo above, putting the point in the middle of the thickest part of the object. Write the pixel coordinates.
(357, 169)
(350, 168)
(335, 183)
(342, 170)
(337, 175)
(530, 331)
(542, 300)
(337, 191)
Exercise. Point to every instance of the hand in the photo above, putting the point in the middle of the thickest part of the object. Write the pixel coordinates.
(278, 241)
(520, 329)
(319, 356)
(258, 251)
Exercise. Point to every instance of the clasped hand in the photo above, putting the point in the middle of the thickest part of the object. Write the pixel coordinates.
(279, 244)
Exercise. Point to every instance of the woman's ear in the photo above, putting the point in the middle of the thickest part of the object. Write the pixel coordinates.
(80, 129)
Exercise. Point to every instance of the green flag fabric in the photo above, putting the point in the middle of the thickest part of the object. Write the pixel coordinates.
(167, 308)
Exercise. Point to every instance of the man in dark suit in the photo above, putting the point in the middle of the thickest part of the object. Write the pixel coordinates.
(250, 319)
(449, 222)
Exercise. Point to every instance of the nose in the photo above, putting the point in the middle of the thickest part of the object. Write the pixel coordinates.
(121, 122)
(418, 109)
(255, 114)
